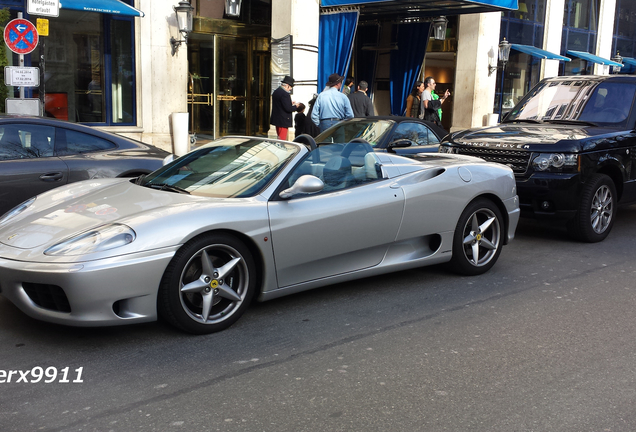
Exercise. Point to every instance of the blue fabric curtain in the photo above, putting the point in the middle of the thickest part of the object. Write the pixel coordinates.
(406, 62)
(335, 42)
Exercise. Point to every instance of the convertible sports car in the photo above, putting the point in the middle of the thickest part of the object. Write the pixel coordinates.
(195, 241)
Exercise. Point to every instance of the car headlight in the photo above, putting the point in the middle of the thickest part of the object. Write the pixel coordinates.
(99, 239)
(16, 210)
(556, 162)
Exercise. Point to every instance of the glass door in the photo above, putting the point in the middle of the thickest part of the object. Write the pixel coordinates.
(232, 86)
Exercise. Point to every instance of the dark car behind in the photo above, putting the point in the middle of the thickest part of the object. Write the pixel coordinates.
(38, 154)
(571, 144)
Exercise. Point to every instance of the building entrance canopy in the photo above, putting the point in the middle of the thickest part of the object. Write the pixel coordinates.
(114, 7)
(594, 59)
(423, 8)
(537, 52)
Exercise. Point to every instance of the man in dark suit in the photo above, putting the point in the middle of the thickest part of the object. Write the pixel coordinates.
(360, 102)
(283, 107)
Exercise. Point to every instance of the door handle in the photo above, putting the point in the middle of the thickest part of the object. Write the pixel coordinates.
(52, 177)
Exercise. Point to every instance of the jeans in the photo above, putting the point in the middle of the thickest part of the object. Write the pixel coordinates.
(326, 124)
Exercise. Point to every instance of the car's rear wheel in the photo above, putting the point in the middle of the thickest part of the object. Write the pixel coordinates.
(597, 210)
(208, 284)
(478, 238)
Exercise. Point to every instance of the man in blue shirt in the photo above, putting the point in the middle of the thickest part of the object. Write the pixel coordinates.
(331, 105)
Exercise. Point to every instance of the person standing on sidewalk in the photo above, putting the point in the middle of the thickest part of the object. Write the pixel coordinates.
(283, 107)
(331, 105)
(360, 102)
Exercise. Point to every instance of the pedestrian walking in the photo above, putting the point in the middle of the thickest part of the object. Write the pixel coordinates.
(414, 101)
(361, 103)
(431, 102)
(283, 107)
(331, 105)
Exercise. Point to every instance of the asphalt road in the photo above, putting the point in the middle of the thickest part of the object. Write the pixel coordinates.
(546, 341)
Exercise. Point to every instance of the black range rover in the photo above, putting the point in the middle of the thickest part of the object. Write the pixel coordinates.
(571, 144)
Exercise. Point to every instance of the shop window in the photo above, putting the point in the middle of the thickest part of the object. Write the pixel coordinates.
(581, 14)
(88, 68)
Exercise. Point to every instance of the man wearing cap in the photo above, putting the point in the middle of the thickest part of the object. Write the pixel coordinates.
(331, 105)
(283, 107)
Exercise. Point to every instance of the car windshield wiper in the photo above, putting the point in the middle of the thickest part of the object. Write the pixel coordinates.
(576, 122)
(522, 121)
(139, 179)
(167, 187)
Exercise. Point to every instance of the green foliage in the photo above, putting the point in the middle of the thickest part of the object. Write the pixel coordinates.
(4, 61)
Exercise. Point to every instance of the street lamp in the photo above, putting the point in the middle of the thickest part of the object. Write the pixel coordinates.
(504, 55)
(184, 21)
(233, 8)
(618, 59)
(439, 28)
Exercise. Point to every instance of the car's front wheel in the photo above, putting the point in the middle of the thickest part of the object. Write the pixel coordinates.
(208, 284)
(597, 209)
(478, 238)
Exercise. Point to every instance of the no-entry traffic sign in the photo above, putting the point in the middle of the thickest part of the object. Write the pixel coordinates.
(21, 36)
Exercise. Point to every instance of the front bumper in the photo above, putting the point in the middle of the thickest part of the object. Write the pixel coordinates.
(512, 208)
(549, 195)
(112, 291)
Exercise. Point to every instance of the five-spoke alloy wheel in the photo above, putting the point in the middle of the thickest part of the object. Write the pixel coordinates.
(597, 210)
(478, 238)
(208, 284)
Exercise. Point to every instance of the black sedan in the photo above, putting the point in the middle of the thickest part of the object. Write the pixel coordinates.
(401, 135)
(38, 154)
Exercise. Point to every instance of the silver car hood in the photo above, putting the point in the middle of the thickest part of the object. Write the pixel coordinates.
(82, 206)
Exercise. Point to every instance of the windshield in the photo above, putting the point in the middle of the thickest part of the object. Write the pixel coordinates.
(225, 168)
(606, 102)
(372, 131)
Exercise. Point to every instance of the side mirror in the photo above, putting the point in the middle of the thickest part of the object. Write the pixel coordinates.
(400, 143)
(305, 184)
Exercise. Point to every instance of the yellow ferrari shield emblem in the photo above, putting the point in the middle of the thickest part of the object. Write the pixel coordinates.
(214, 283)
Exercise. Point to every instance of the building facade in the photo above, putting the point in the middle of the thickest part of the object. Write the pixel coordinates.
(113, 65)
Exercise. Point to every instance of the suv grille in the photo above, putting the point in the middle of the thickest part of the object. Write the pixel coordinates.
(517, 160)
(47, 296)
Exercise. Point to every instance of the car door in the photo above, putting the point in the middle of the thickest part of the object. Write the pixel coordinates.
(28, 166)
(342, 229)
(422, 139)
(86, 155)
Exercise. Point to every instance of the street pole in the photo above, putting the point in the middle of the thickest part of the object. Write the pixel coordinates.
(503, 74)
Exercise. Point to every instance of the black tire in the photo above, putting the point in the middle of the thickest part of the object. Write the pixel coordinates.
(478, 238)
(597, 210)
(224, 293)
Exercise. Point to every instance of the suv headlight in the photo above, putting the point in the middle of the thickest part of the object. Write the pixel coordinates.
(16, 210)
(100, 239)
(555, 162)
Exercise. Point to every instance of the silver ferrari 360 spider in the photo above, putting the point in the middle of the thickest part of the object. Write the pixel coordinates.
(242, 217)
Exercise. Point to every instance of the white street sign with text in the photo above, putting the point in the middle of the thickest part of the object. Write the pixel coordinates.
(22, 76)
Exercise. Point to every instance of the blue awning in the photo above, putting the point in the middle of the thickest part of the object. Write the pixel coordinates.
(629, 61)
(448, 7)
(537, 52)
(114, 7)
(592, 58)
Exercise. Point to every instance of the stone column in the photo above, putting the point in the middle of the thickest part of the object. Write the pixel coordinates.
(478, 40)
(606, 16)
(161, 77)
(299, 18)
(552, 32)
